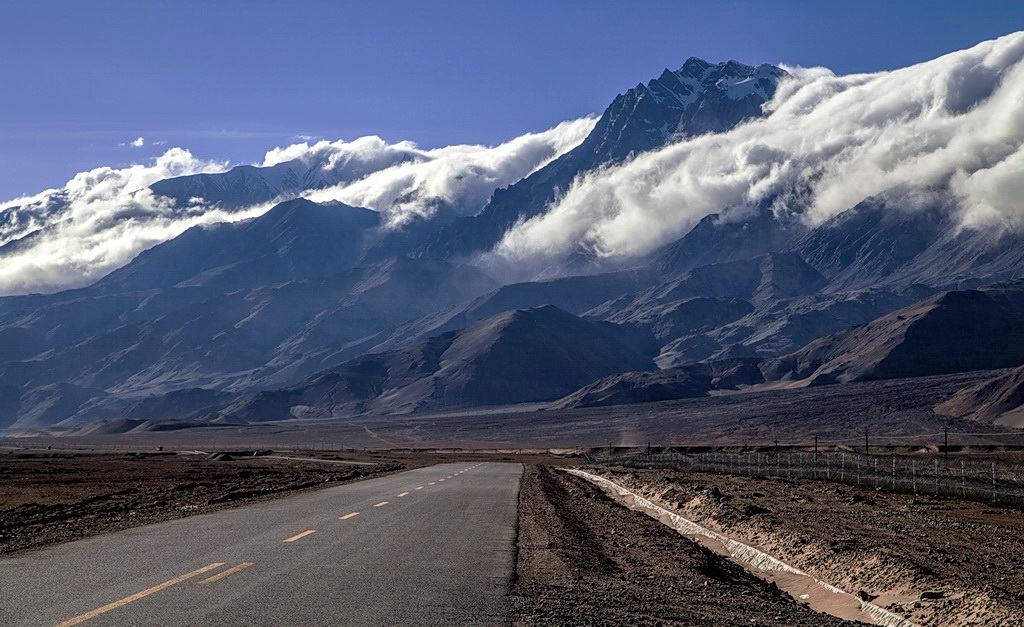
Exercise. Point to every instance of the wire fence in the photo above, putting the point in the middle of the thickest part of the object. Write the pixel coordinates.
(984, 480)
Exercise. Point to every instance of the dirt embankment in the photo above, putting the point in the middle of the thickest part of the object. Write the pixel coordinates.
(585, 560)
(893, 549)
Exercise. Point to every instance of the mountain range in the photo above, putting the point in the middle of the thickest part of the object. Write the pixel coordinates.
(322, 310)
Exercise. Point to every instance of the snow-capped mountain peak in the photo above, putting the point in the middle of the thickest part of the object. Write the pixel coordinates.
(732, 79)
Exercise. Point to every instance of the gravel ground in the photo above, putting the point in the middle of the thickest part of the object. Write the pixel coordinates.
(49, 498)
(893, 548)
(584, 560)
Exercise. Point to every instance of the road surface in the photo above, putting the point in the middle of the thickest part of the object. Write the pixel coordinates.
(426, 547)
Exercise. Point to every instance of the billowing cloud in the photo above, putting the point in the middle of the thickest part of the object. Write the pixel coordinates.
(70, 237)
(955, 124)
(461, 177)
(358, 157)
(97, 222)
(138, 142)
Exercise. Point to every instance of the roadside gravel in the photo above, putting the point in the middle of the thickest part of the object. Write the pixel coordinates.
(937, 561)
(584, 560)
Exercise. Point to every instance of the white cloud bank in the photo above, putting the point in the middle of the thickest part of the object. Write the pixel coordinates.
(461, 177)
(953, 126)
(97, 222)
(70, 237)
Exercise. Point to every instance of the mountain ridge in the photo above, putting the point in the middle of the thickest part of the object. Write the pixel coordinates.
(258, 306)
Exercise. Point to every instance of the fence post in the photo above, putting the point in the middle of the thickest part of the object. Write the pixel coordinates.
(963, 480)
(936, 466)
(993, 481)
(894, 472)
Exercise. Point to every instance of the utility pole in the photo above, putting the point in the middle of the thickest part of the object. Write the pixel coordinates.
(867, 443)
(945, 440)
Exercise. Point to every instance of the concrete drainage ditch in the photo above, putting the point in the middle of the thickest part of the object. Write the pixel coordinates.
(819, 595)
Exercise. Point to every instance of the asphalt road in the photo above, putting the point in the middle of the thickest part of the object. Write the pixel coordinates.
(430, 546)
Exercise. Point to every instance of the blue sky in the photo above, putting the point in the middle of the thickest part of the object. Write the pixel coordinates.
(230, 80)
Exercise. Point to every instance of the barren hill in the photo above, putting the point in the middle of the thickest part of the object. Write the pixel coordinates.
(518, 356)
(1000, 400)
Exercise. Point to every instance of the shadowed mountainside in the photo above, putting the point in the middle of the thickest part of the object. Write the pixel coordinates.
(950, 332)
(514, 357)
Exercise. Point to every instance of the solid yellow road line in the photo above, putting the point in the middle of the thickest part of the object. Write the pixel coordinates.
(403, 494)
(346, 516)
(138, 595)
(230, 571)
(382, 503)
(301, 535)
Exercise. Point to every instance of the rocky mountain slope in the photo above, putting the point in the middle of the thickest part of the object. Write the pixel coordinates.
(514, 357)
(690, 381)
(950, 332)
(955, 331)
(295, 240)
(999, 400)
(698, 98)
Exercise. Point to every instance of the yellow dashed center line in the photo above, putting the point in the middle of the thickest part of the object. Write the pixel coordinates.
(230, 571)
(301, 535)
(347, 516)
(381, 504)
(403, 494)
(138, 595)
(420, 488)
(432, 483)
